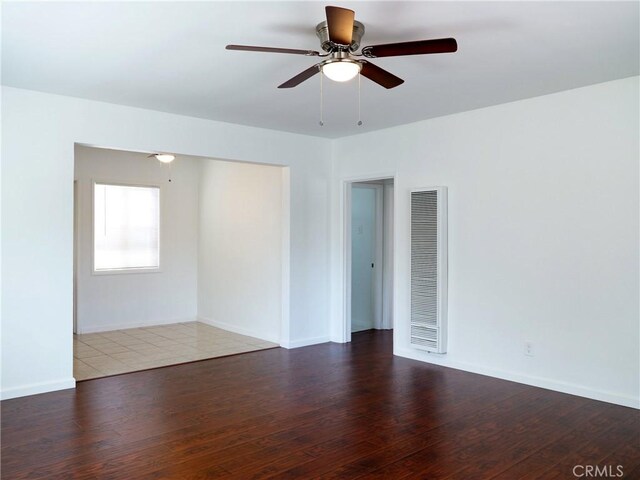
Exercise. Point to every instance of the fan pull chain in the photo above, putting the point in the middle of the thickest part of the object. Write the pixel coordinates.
(321, 122)
(359, 110)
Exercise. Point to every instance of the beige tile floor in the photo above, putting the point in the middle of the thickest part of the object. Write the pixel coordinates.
(121, 351)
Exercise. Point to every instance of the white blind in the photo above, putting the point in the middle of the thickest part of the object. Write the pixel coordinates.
(428, 269)
(126, 227)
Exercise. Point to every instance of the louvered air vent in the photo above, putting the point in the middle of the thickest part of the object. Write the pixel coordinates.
(429, 269)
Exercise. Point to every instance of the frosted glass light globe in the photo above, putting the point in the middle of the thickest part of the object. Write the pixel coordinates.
(341, 70)
(165, 157)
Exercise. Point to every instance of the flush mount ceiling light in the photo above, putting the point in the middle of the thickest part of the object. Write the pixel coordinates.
(164, 157)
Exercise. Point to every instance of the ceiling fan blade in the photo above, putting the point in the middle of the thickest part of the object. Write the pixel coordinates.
(340, 24)
(249, 48)
(301, 77)
(379, 75)
(419, 47)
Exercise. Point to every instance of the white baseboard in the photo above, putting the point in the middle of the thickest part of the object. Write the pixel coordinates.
(36, 388)
(305, 342)
(549, 384)
(124, 326)
(240, 330)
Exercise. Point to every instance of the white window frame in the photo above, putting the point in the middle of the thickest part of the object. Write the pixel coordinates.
(134, 270)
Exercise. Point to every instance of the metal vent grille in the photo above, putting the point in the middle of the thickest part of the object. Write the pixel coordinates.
(428, 269)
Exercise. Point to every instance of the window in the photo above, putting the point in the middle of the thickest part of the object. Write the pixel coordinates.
(126, 228)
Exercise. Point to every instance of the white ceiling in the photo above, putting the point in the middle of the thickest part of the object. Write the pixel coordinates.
(170, 56)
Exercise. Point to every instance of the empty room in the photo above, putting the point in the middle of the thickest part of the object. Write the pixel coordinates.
(153, 235)
(308, 240)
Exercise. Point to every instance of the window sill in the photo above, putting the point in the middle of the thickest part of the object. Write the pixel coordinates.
(126, 271)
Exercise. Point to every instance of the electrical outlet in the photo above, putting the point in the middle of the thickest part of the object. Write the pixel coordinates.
(528, 349)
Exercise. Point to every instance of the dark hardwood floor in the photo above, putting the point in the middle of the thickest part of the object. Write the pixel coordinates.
(326, 411)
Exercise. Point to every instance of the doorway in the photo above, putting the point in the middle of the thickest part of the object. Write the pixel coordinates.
(370, 276)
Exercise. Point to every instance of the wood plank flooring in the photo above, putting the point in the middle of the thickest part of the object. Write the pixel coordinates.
(326, 411)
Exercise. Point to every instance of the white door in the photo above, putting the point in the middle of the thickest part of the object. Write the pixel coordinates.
(363, 257)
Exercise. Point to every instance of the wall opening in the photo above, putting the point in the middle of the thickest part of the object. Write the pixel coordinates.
(220, 283)
(368, 253)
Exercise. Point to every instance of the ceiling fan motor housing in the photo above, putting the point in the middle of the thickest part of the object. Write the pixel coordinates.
(322, 31)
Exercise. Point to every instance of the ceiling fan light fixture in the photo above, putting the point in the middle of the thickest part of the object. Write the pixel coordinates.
(165, 157)
(340, 36)
(341, 70)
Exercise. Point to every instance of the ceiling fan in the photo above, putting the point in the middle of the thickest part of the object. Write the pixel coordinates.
(340, 37)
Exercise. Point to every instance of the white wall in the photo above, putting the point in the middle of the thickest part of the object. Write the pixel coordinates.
(240, 248)
(39, 131)
(543, 235)
(108, 302)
